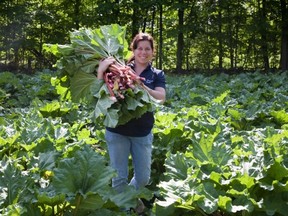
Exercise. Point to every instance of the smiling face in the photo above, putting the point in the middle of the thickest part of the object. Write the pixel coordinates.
(143, 47)
(143, 53)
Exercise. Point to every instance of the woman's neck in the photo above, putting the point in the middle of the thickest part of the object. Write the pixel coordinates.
(139, 68)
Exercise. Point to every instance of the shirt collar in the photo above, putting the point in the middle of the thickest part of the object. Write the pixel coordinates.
(132, 65)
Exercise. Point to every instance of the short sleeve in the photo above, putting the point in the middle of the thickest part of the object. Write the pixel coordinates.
(160, 80)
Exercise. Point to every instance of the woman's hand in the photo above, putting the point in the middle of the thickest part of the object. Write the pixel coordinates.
(158, 93)
(103, 65)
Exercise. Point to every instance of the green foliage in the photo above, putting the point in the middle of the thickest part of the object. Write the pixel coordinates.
(88, 47)
(18, 90)
(220, 147)
(78, 63)
(216, 34)
(229, 176)
(236, 137)
(54, 161)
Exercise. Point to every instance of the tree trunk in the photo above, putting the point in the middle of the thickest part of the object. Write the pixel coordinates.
(77, 13)
(16, 59)
(230, 37)
(135, 19)
(180, 39)
(153, 19)
(116, 11)
(160, 52)
(237, 28)
(220, 36)
(284, 36)
(41, 36)
(263, 32)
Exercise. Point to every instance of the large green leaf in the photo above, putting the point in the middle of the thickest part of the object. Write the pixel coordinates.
(111, 118)
(176, 192)
(92, 202)
(177, 166)
(117, 45)
(86, 173)
(81, 84)
(47, 160)
(51, 198)
(102, 106)
(277, 171)
(204, 147)
(280, 116)
(128, 198)
(11, 183)
(239, 204)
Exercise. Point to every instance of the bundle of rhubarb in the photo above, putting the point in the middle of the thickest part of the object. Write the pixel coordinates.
(119, 78)
(121, 96)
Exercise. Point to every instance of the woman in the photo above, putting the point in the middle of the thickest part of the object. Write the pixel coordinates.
(135, 137)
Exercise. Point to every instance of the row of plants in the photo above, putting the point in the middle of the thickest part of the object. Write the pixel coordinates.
(226, 145)
(220, 143)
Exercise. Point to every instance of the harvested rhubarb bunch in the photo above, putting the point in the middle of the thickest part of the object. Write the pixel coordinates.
(119, 78)
(121, 96)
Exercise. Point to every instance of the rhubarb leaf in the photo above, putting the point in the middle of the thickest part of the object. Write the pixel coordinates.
(79, 60)
(84, 174)
(80, 85)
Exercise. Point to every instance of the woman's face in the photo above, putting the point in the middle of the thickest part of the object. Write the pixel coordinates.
(144, 53)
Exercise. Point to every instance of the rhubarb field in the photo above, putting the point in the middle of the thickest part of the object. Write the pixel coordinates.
(220, 148)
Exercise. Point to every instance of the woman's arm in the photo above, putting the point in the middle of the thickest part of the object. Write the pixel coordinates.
(158, 93)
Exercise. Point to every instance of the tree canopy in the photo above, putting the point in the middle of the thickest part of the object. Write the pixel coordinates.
(191, 35)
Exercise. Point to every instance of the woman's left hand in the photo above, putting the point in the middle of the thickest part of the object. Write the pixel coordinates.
(158, 93)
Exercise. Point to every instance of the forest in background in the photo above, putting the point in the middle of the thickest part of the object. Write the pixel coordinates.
(191, 35)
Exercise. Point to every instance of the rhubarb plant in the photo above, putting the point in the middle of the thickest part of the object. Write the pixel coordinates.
(219, 149)
(78, 61)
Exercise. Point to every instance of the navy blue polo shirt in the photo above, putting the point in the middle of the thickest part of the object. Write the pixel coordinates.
(142, 126)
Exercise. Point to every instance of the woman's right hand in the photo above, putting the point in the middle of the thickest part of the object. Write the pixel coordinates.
(103, 65)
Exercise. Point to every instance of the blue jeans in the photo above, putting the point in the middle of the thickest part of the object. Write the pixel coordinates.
(120, 147)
